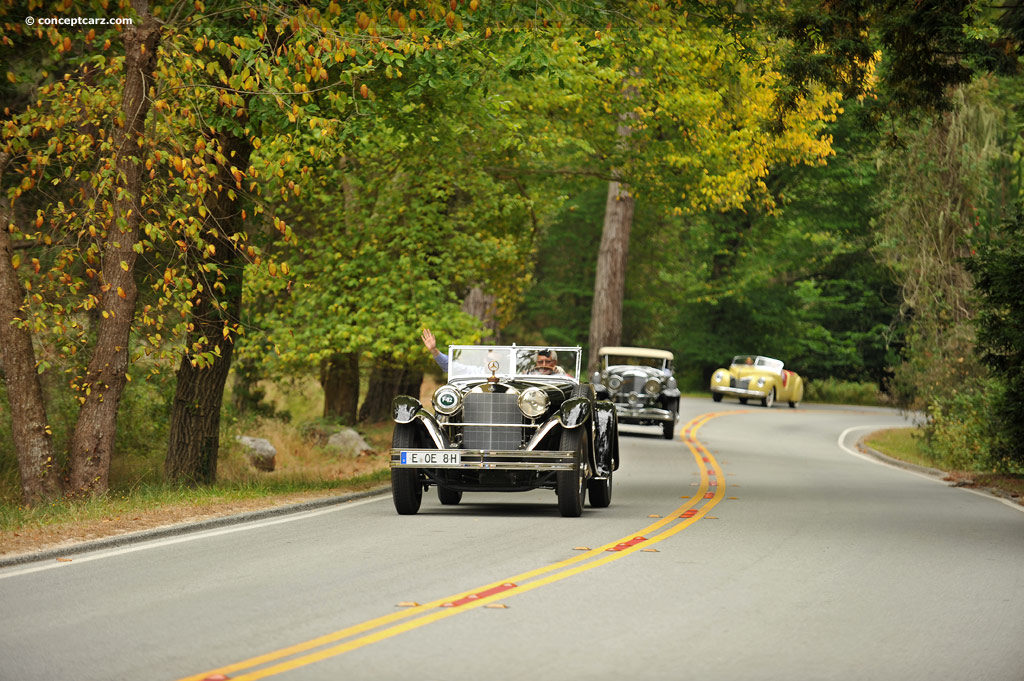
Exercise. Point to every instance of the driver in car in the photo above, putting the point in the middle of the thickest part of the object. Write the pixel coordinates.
(546, 364)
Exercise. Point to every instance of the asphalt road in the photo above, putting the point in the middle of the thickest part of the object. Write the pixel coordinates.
(756, 545)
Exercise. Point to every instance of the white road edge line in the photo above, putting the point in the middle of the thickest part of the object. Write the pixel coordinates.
(842, 445)
(110, 553)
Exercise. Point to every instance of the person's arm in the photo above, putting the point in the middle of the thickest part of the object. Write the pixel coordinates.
(430, 343)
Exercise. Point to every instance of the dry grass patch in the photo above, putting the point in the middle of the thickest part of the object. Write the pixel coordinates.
(305, 470)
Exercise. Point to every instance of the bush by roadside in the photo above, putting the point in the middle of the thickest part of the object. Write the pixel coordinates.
(833, 391)
(961, 435)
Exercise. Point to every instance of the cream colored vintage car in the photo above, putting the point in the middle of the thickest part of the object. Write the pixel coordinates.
(641, 384)
(760, 378)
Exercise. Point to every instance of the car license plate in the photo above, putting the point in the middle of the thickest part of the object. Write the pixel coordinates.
(431, 458)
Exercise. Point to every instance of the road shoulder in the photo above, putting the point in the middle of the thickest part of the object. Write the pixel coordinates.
(72, 547)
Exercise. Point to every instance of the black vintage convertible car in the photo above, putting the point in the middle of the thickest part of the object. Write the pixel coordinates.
(510, 419)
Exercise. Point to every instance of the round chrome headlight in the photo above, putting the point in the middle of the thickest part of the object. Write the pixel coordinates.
(614, 382)
(719, 377)
(652, 386)
(533, 402)
(760, 382)
(446, 400)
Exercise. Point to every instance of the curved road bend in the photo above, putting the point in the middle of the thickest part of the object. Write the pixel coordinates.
(755, 545)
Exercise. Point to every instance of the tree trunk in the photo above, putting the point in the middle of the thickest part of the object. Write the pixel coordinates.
(32, 440)
(92, 442)
(610, 279)
(483, 306)
(385, 383)
(194, 441)
(339, 377)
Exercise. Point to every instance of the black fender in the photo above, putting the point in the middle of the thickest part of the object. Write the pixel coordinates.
(409, 410)
(606, 437)
(578, 411)
(574, 412)
(404, 408)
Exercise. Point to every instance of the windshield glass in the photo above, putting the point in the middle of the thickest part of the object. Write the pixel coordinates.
(620, 360)
(766, 363)
(512, 361)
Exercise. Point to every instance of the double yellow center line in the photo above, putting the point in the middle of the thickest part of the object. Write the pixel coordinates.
(710, 491)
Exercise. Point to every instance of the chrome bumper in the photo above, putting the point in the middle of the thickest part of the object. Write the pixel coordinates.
(644, 413)
(478, 459)
(740, 392)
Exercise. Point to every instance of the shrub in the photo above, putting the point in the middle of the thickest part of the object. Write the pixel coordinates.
(960, 433)
(998, 268)
(834, 391)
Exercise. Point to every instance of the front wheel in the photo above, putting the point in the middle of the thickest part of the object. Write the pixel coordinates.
(406, 486)
(717, 397)
(406, 490)
(571, 486)
(769, 399)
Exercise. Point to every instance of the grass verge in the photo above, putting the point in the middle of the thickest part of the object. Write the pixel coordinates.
(306, 469)
(905, 444)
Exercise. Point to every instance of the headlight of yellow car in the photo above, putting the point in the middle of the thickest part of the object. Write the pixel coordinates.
(761, 381)
(533, 402)
(719, 376)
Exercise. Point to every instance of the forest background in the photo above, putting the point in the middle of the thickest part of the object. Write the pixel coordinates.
(219, 200)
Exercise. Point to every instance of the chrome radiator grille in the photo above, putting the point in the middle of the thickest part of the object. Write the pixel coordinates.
(491, 408)
(742, 383)
(633, 384)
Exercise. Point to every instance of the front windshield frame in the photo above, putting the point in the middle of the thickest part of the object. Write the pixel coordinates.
(514, 362)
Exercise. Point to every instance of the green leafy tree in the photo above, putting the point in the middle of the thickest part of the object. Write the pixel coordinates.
(693, 112)
(998, 269)
(404, 221)
(938, 191)
(74, 202)
(271, 98)
(905, 57)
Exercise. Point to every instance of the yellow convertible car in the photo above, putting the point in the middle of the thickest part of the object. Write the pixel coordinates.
(759, 378)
